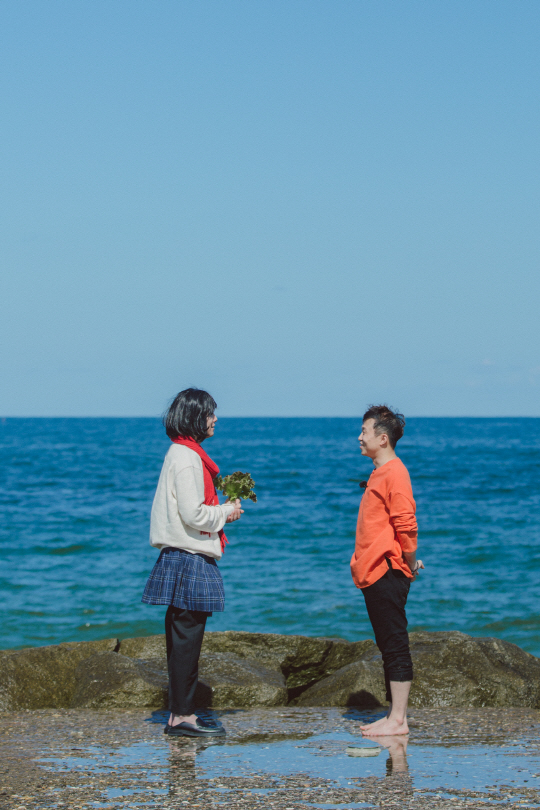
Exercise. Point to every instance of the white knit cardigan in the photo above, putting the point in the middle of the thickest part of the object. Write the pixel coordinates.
(180, 518)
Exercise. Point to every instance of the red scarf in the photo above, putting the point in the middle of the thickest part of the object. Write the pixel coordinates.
(210, 470)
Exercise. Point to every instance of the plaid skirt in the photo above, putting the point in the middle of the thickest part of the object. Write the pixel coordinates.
(185, 580)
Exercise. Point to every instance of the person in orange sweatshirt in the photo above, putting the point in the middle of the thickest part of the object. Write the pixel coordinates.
(384, 561)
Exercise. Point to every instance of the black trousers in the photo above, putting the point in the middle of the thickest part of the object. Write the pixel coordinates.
(184, 631)
(385, 603)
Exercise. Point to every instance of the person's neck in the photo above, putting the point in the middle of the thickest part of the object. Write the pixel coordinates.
(384, 455)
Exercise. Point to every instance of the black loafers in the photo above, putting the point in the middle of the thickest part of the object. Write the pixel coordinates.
(203, 728)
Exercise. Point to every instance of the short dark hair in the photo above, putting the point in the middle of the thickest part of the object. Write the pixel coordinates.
(386, 421)
(187, 415)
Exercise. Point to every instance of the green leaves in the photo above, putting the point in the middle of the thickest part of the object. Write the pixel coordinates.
(237, 485)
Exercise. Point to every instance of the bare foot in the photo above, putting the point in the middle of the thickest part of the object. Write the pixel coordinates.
(377, 723)
(385, 727)
(175, 719)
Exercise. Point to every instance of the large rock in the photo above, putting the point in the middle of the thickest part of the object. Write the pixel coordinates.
(360, 683)
(109, 680)
(451, 669)
(266, 669)
(344, 652)
(147, 648)
(227, 681)
(301, 659)
(44, 677)
(235, 668)
(114, 680)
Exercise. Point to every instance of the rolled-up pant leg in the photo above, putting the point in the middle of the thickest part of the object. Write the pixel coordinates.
(385, 603)
(184, 631)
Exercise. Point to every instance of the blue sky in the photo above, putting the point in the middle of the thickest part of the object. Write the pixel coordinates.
(301, 206)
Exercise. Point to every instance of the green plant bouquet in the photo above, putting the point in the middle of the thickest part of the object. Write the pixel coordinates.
(236, 485)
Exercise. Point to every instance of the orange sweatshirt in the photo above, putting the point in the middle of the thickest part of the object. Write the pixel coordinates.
(386, 524)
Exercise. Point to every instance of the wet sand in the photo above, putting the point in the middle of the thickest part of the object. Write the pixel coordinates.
(283, 758)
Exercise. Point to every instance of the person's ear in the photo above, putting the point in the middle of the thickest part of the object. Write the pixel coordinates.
(384, 440)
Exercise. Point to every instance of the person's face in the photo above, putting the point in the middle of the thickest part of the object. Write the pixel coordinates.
(211, 424)
(370, 442)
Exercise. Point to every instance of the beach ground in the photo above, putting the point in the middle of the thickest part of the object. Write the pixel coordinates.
(283, 758)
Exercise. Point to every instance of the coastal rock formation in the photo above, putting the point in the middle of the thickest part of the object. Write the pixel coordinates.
(360, 683)
(227, 680)
(457, 670)
(109, 680)
(44, 677)
(300, 659)
(145, 648)
(265, 669)
(451, 669)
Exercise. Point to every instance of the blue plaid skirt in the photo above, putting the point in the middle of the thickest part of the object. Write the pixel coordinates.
(189, 581)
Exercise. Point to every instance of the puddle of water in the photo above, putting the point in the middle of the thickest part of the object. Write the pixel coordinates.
(461, 767)
(99, 760)
(434, 767)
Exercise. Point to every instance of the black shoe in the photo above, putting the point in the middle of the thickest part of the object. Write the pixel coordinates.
(203, 728)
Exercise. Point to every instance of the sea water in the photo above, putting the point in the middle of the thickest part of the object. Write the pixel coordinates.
(75, 499)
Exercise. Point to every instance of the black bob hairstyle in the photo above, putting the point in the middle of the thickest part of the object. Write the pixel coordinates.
(386, 421)
(187, 416)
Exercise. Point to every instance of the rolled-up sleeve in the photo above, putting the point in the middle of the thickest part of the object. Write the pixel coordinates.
(189, 492)
(403, 520)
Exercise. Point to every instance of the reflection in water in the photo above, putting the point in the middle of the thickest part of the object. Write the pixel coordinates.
(183, 751)
(183, 776)
(191, 769)
(182, 754)
(397, 767)
(181, 772)
(397, 748)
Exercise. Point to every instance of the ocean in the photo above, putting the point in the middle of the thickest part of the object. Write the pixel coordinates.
(75, 499)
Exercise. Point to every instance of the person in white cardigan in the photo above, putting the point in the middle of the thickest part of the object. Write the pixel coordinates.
(186, 524)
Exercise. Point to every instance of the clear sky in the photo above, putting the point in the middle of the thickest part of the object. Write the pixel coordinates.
(301, 206)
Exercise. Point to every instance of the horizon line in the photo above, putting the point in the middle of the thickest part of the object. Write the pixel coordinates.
(266, 416)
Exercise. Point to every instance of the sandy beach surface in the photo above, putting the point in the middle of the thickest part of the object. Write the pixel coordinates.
(284, 758)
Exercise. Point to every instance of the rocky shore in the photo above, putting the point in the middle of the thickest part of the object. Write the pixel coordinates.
(240, 669)
(292, 758)
(82, 726)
